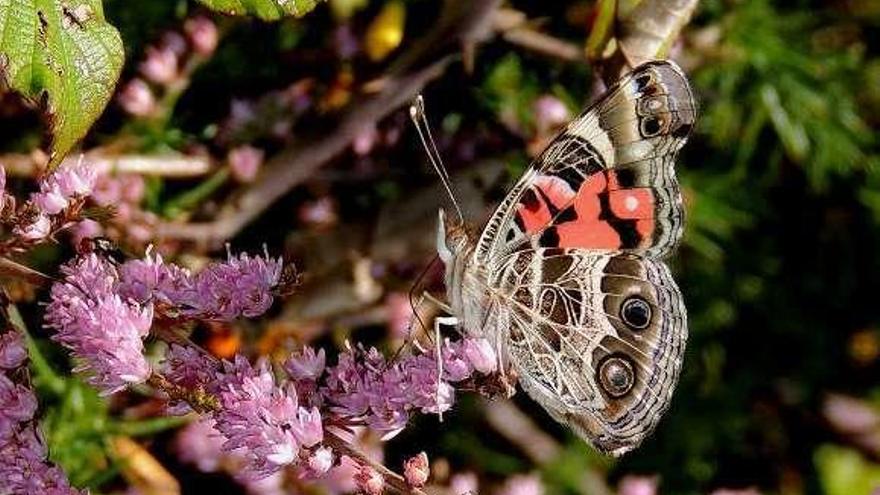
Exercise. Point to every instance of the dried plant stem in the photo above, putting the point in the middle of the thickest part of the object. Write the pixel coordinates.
(535, 443)
(514, 28)
(395, 481)
(169, 165)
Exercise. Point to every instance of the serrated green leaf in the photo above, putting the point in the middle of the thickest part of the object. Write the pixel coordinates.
(269, 10)
(63, 55)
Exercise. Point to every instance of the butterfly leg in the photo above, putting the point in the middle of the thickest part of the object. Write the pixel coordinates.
(438, 350)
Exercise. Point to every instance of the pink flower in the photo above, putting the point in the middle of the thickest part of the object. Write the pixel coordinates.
(480, 353)
(241, 286)
(463, 483)
(307, 365)
(2, 188)
(416, 470)
(262, 419)
(175, 42)
(17, 404)
(137, 98)
(369, 481)
(187, 367)
(38, 229)
(160, 66)
(12, 350)
(307, 428)
(245, 162)
(25, 469)
(98, 326)
(522, 484)
(320, 461)
(202, 34)
(364, 140)
(50, 201)
(550, 113)
(637, 485)
(400, 314)
(62, 186)
(319, 213)
(199, 443)
(73, 179)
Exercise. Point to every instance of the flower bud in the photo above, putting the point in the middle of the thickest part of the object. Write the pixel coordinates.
(245, 162)
(160, 65)
(321, 461)
(137, 98)
(416, 470)
(202, 33)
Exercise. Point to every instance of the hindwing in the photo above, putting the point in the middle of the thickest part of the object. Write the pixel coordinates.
(596, 338)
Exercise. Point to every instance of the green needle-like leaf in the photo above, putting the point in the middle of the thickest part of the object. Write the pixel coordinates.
(62, 55)
(269, 10)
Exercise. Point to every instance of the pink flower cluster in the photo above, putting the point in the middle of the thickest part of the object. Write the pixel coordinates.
(367, 389)
(60, 196)
(260, 419)
(101, 311)
(273, 423)
(167, 63)
(24, 468)
(101, 328)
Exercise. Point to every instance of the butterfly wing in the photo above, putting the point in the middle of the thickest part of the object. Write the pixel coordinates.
(608, 180)
(596, 338)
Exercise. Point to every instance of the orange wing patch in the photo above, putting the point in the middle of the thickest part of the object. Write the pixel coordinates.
(600, 215)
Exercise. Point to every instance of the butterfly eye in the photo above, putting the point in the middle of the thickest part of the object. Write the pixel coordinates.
(616, 375)
(651, 126)
(636, 313)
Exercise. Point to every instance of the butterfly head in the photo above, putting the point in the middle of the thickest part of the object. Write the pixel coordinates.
(453, 239)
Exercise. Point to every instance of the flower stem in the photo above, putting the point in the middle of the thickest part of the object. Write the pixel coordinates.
(395, 481)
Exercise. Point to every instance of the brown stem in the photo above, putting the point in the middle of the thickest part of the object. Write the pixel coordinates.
(199, 400)
(298, 163)
(395, 481)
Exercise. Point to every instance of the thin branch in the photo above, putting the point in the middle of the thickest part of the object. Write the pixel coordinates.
(295, 165)
(535, 443)
(170, 165)
(395, 481)
(459, 21)
(513, 26)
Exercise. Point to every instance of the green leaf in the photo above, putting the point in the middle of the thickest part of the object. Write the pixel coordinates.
(269, 10)
(63, 55)
(844, 471)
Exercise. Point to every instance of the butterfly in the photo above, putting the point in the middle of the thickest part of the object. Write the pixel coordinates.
(566, 280)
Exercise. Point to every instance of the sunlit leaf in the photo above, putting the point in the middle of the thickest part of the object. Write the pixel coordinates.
(386, 31)
(844, 471)
(63, 56)
(269, 10)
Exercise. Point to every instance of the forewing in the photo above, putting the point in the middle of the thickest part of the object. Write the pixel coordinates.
(608, 180)
(596, 338)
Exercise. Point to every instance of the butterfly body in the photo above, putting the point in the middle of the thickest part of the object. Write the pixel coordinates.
(567, 281)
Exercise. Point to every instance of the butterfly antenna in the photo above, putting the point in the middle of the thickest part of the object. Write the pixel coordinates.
(417, 114)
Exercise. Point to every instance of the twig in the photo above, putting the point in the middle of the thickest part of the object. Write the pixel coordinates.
(467, 22)
(293, 166)
(175, 166)
(535, 443)
(395, 481)
(513, 27)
